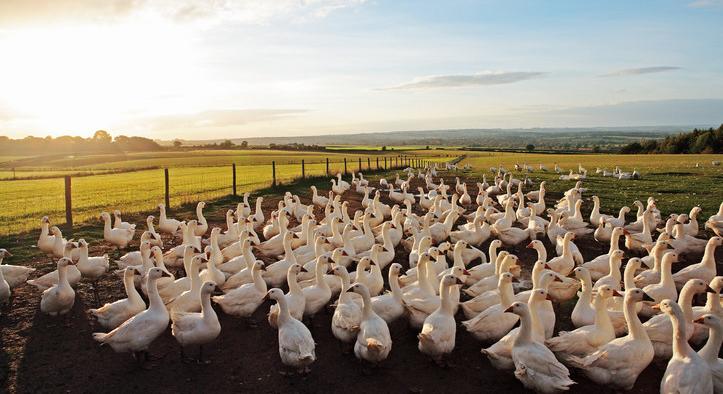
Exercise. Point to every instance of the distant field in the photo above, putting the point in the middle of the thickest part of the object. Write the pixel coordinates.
(673, 180)
(29, 167)
(199, 175)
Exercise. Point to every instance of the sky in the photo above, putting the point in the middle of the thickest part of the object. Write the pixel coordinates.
(194, 69)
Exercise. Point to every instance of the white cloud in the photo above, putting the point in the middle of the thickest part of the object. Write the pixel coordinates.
(483, 78)
(641, 70)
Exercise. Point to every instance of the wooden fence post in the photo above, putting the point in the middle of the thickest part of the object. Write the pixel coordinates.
(233, 167)
(345, 166)
(360, 164)
(167, 193)
(377, 163)
(273, 173)
(327, 166)
(385, 162)
(303, 170)
(369, 163)
(68, 204)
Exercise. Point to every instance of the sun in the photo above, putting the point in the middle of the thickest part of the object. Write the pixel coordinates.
(81, 78)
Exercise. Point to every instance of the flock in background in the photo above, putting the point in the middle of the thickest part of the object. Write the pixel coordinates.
(326, 255)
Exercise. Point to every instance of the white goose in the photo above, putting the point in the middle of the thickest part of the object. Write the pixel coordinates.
(244, 300)
(296, 345)
(437, 338)
(202, 226)
(586, 339)
(317, 295)
(500, 354)
(660, 328)
(295, 300)
(119, 237)
(137, 333)
(709, 352)
(46, 241)
(535, 365)
(14, 275)
(390, 305)
(197, 328)
(618, 363)
(114, 314)
(166, 225)
(373, 341)
(687, 372)
(493, 322)
(600, 265)
(190, 300)
(347, 314)
(583, 314)
(705, 270)
(60, 298)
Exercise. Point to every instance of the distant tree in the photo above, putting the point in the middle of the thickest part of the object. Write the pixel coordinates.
(177, 143)
(384, 147)
(226, 144)
(596, 149)
(530, 147)
(244, 144)
(427, 147)
(102, 136)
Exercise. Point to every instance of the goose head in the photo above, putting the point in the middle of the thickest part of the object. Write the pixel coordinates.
(582, 274)
(710, 321)
(450, 280)
(297, 268)
(341, 272)
(156, 273)
(208, 287)
(45, 220)
(395, 269)
(64, 262)
(275, 294)
(4, 253)
(717, 283)
(605, 292)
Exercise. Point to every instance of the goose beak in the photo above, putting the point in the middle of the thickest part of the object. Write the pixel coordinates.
(547, 267)
(699, 320)
(164, 273)
(656, 307)
(459, 281)
(304, 269)
(617, 293)
(515, 280)
(465, 272)
(548, 298)
(529, 245)
(626, 232)
(709, 289)
(646, 297)
(509, 309)
(557, 279)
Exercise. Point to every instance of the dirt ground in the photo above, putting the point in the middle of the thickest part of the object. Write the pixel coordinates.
(45, 354)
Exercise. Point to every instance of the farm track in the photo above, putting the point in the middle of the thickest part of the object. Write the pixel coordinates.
(44, 354)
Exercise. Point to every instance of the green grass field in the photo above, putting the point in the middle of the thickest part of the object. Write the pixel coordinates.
(207, 176)
(143, 160)
(673, 180)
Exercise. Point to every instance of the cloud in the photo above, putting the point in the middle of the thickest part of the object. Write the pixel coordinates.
(706, 3)
(22, 12)
(641, 70)
(483, 78)
(220, 118)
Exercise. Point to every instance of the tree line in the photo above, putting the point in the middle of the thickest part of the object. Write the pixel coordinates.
(100, 142)
(697, 141)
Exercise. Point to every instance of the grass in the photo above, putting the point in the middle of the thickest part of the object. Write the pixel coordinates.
(673, 180)
(65, 164)
(24, 202)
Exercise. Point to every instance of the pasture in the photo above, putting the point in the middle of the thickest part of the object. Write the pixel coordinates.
(673, 180)
(127, 183)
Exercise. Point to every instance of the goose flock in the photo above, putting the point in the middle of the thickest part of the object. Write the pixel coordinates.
(309, 258)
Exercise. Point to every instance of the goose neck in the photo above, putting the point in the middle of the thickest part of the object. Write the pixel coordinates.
(635, 327)
(710, 350)
(681, 348)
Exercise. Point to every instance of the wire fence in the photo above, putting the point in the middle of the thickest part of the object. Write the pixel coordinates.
(76, 199)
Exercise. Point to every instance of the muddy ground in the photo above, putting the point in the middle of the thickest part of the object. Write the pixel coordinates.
(45, 354)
